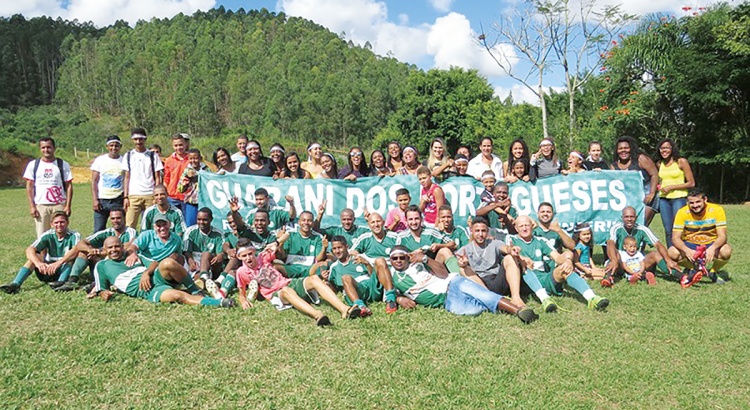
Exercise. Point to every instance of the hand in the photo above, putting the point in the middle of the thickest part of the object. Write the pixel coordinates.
(66, 209)
(234, 204)
(281, 232)
(246, 304)
(325, 243)
(690, 255)
(53, 267)
(289, 199)
(396, 218)
(350, 177)
(131, 260)
(126, 204)
(434, 247)
(217, 259)
(416, 256)
(672, 265)
(271, 247)
(554, 226)
(97, 205)
(232, 253)
(665, 190)
(647, 200)
(145, 283)
(526, 262)
(710, 254)
(463, 260)
(34, 212)
(611, 267)
(567, 266)
(359, 259)
(106, 295)
(366, 214)
(192, 265)
(511, 179)
(405, 303)
(322, 207)
(514, 251)
(424, 199)
(325, 274)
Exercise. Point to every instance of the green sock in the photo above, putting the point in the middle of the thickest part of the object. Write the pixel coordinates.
(452, 264)
(663, 268)
(78, 267)
(64, 272)
(210, 302)
(228, 284)
(204, 275)
(360, 303)
(190, 285)
(23, 274)
(390, 295)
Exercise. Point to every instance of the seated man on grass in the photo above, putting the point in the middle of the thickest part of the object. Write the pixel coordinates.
(146, 279)
(202, 247)
(542, 280)
(377, 242)
(348, 229)
(429, 284)
(157, 244)
(700, 224)
(354, 274)
(302, 249)
(54, 266)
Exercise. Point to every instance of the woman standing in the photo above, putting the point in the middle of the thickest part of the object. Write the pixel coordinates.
(278, 162)
(223, 161)
(411, 161)
(575, 163)
(256, 164)
(357, 167)
(676, 178)
(485, 160)
(544, 163)
(330, 169)
(395, 159)
(630, 158)
(293, 169)
(440, 165)
(518, 150)
(314, 157)
(378, 166)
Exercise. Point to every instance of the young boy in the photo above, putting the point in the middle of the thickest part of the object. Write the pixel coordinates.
(188, 185)
(395, 221)
(488, 180)
(431, 196)
(632, 263)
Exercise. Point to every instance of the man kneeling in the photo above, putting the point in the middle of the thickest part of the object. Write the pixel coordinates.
(155, 282)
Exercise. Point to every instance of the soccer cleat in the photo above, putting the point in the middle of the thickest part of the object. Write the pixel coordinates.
(228, 303)
(88, 287)
(67, 287)
(10, 288)
(527, 315)
(634, 278)
(549, 306)
(598, 303)
(56, 284)
(608, 281)
(252, 290)
(650, 278)
(322, 321)
(212, 289)
(353, 312)
(364, 311)
(391, 306)
(691, 278)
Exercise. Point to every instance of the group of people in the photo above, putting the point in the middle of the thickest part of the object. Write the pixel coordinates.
(162, 246)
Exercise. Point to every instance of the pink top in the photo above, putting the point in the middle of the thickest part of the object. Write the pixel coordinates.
(430, 209)
(269, 279)
(401, 225)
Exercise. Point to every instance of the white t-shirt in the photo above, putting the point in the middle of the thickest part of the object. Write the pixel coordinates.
(238, 158)
(48, 188)
(477, 167)
(111, 176)
(141, 174)
(632, 262)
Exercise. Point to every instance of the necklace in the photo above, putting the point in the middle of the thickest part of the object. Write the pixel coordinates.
(476, 254)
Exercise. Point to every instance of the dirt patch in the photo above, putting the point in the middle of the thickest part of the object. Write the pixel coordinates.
(12, 166)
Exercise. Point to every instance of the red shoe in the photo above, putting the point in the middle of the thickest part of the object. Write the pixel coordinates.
(650, 278)
(365, 311)
(690, 279)
(608, 281)
(391, 306)
(634, 278)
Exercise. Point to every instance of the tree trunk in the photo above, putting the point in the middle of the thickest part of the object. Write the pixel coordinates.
(543, 104)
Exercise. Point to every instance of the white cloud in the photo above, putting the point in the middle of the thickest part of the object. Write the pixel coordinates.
(443, 6)
(105, 12)
(644, 7)
(521, 94)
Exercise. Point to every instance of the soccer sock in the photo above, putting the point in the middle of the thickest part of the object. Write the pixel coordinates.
(718, 264)
(221, 278)
(228, 284)
(78, 267)
(360, 303)
(64, 272)
(204, 275)
(390, 295)
(663, 268)
(452, 264)
(190, 285)
(23, 273)
(210, 301)
(576, 282)
(589, 294)
(533, 283)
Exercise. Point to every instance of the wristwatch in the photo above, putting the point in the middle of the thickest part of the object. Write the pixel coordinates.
(425, 259)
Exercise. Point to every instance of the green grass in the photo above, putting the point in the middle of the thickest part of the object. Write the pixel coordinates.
(656, 347)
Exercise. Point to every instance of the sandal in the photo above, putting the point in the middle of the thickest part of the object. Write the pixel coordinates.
(322, 321)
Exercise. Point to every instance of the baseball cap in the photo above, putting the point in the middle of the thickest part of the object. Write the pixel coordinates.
(160, 218)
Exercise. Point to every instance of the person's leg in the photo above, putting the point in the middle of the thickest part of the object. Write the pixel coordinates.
(446, 257)
(531, 278)
(513, 280)
(327, 294)
(20, 278)
(229, 283)
(386, 280)
(190, 212)
(350, 291)
(290, 297)
(100, 218)
(654, 260)
(138, 204)
(42, 223)
(173, 271)
(722, 257)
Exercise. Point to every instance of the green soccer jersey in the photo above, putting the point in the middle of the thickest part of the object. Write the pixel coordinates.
(339, 269)
(196, 241)
(97, 240)
(552, 238)
(173, 214)
(494, 219)
(642, 234)
(301, 250)
(277, 218)
(371, 248)
(421, 286)
(427, 238)
(355, 232)
(536, 250)
(260, 241)
(458, 236)
(56, 247)
(152, 247)
(126, 279)
(233, 238)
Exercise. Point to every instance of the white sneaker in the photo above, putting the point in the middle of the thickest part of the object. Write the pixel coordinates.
(213, 290)
(252, 290)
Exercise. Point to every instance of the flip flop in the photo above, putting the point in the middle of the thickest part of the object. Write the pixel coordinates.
(322, 321)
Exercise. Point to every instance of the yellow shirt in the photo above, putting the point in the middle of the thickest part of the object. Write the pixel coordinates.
(672, 175)
(701, 231)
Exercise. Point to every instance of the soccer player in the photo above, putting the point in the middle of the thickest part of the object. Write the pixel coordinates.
(499, 211)
(446, 226)
(700, 223)
(348, 228)
(54, 266)
(161, 206)
(429, 284)
(302, 249)
(427, 242)
(377, 243)
(146, 279)
(277, 216)
(550, 231)
(202, 247)
(157, 244)
(540, 278)
(354, 275)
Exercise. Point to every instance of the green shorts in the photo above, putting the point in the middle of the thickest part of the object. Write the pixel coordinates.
(549, 284)
(297, 271)
(158, 286)
(369, 290)
(298, 286)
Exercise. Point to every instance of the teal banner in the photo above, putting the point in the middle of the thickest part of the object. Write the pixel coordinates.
(597, 197)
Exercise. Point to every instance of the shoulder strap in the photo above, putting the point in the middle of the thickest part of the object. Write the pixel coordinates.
(36, 167)
(153, 166)
(62, 173)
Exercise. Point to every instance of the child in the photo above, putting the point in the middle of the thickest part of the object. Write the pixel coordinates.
(584, 238)
(395, 221)
(188, 185)
(632, 263)
(258, 273)
(519, 168)
(431, 195)
(488, 180)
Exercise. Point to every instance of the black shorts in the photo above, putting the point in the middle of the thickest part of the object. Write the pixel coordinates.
(497, 283)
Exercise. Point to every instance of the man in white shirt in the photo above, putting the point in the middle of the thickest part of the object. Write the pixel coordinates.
(485, 161)
(142, 173)
(49, 186)
(107, 178)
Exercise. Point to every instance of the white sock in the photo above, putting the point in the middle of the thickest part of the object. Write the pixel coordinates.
(589, 294)
(541, 294)
(220, 279)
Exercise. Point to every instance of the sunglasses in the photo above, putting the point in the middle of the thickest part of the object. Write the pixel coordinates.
(399, 258)
(355, 154)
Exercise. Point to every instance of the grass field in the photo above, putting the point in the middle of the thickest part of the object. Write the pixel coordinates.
(656, 347)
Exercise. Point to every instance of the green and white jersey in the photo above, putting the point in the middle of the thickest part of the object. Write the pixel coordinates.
(233, 238)
(459, 236)
(355, 232)
(173, 214)
(56, 247)
(277, 218)
(260, 241)
(494, 219)
(371, 248)
(301, 250)
(339, 269)
(537, 250)
(421, 286)
(642, 234)
(126, 279)
(552, 238)
(427, 238)
(151, 246)
(97, 240)
(196, 241)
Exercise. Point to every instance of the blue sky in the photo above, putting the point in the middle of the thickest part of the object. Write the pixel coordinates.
(428, 33)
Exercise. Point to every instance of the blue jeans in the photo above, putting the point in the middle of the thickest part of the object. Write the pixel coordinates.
(175, 203)
(190, 212)
(106, 205)
(668, 209)
(465, 297)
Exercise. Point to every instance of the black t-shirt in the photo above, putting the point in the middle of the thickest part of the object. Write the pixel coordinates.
(265, 171)
(592, 165)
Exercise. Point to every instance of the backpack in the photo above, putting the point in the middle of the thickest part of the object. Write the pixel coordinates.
(59, 166)
(150, 156)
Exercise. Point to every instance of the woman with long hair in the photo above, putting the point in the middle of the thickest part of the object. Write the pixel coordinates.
(357, 167)
(395, 156)
(676, 178)
(411, 161)
(439, 163)
(278, 162)
(629, 158)
(330, 169)
(292, 168)
(313, 163)
(256, 164)
(486, 160)
(517, 150)
(379, 166)
(544, 163)
(223, 161)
